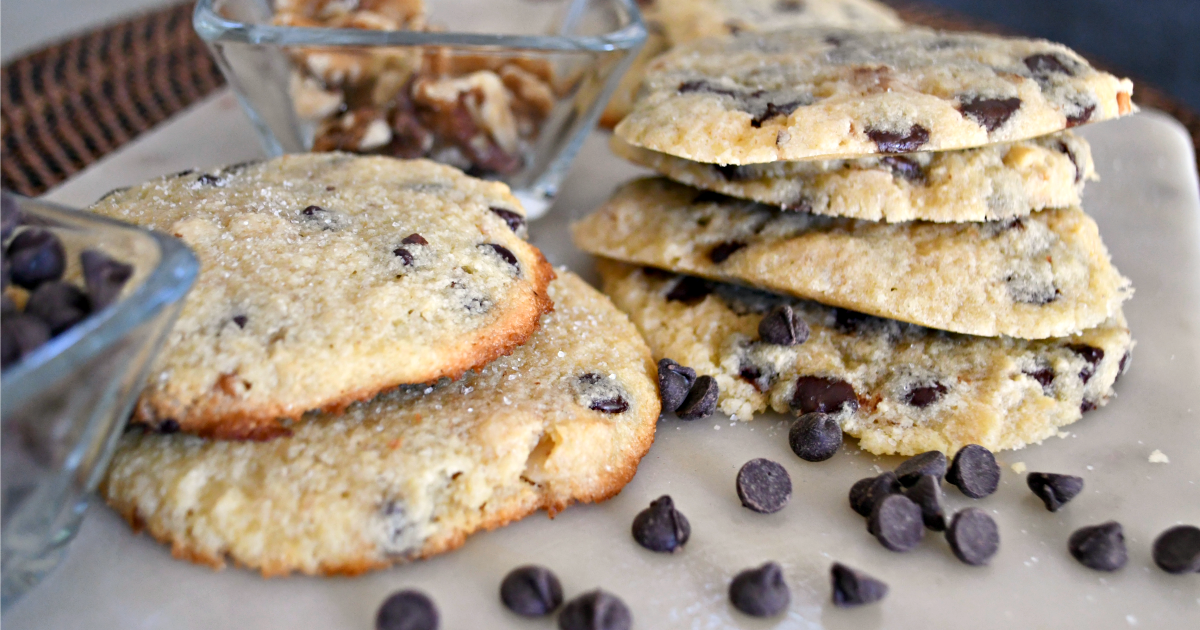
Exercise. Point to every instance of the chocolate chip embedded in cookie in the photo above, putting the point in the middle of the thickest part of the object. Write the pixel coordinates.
(1044, 275)
(413, 472)
(997, 392)
(328, 278)
(836, 93)
(1002, 181)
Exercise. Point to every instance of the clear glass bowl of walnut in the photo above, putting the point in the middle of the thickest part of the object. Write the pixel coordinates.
(87, 302)
(503, 89)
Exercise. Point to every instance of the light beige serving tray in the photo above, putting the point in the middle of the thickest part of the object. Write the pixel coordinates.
(1149, 213)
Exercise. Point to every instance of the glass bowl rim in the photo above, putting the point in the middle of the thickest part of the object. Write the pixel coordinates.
(166, 283)
(211, 27)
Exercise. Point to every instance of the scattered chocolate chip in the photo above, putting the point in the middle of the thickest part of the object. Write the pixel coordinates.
(782, 327)
(313, 211)
(531, 591)
(904, 168)
(414, 239)
(708, 87)
(899, 142)
(927, 463)
(854, 588)
(827, 395)
(36, 256)
(732, 172)
(406, 257)
(722, 251)
(208, 179)
(10, 214)
(927, 494)
(973, 536)
(924, 395)
(789, 6)
(407, 610)
(1053, 489)
(504, 254)
(59, 304)
(896, 523)
(760, 592)
(104, 277)
(1100, 547)
(1084, 115)
(1087, 405)
(1042, 65)
(1090, 354)
(661, 527)
(865, 493)
(240, 320)
(689, 290)
(515, 222)
(989, 113)
(1122, 363)
(815, 437)
(774, 110)
(975, 471)
(169, 426)
(674, 382)
(595, 610)
(764, 486)
(20, 334)
(1177, 550)
(1043, 375)
(701, 400)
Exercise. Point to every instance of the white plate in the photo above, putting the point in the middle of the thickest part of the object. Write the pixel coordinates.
(1149, 212)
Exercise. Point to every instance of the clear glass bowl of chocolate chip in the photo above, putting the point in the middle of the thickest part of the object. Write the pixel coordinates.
(87, 303)
(503, 89)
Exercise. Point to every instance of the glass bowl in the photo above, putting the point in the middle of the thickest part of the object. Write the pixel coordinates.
(64, 405)
(504, 89)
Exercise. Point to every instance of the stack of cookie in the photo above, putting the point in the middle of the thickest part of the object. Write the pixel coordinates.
(302, 414)
(880, 226)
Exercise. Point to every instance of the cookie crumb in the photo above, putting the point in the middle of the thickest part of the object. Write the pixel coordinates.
(1159, 457)
(1019, 468)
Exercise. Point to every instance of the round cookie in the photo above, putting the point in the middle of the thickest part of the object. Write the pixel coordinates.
(1044, 275)
(1001, 181)
(564, 418)
(831, 93)
(911, 389)
(326, 279)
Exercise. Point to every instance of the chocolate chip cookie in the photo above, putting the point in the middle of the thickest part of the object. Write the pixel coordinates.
(832, 93)
(1001, 181)
(328, 278)
(689, 20)
(564, 418)
(899, 388)
(1043, 275)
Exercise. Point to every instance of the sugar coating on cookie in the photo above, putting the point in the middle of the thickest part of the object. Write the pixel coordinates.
(912, 389)
(826, 93)
(674, 22)
(327, 278)
(564, 418)
(1044, 275)
(1002, 181)
(688, 20)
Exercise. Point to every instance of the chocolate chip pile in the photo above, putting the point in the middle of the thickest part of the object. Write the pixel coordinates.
(478, 112)
(38, 302)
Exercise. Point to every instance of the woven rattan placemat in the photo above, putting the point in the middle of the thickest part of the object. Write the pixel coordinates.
(68, 105)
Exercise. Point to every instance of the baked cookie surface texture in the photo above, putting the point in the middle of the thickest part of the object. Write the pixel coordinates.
(899, 388)
(1044, 275)
(1001, 181)
(564, 418)
(829, 93)
(328, 278)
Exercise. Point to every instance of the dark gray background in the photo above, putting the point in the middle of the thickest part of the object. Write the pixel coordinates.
(1153, 40)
